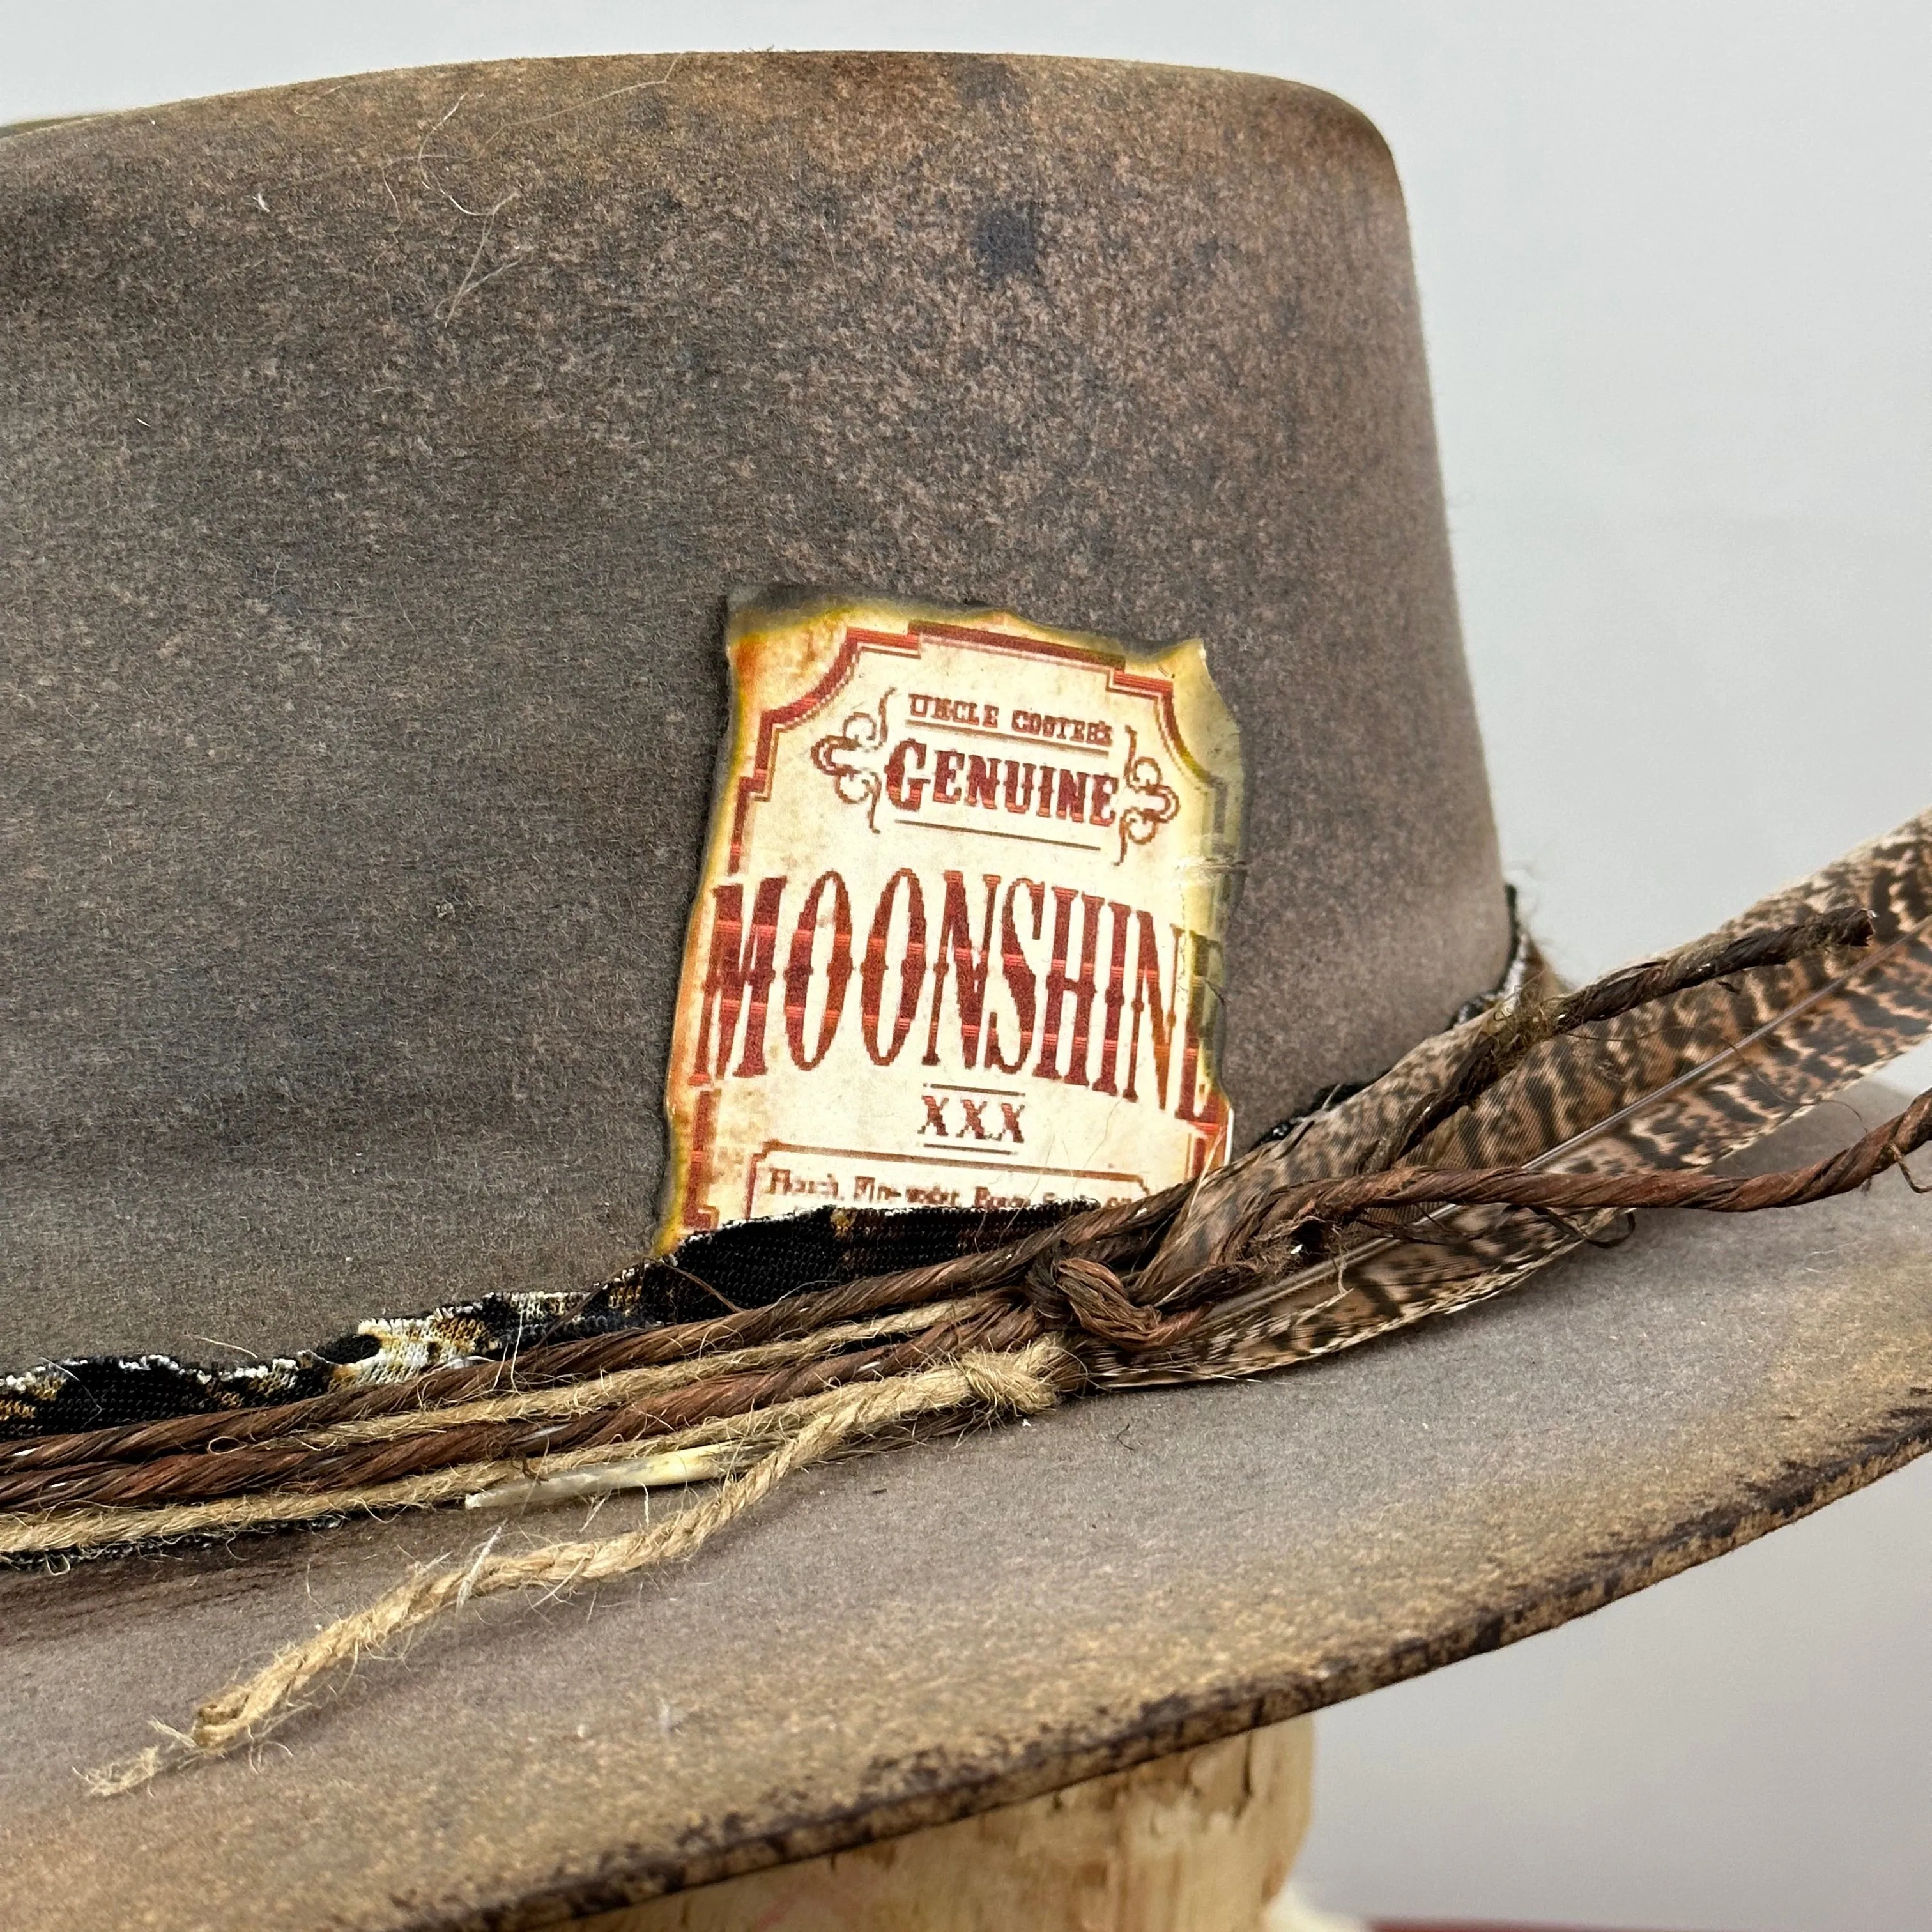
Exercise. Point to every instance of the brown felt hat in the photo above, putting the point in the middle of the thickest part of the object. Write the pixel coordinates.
(381, 457)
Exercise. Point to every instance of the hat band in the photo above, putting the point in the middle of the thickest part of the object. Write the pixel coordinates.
(1370, 1214)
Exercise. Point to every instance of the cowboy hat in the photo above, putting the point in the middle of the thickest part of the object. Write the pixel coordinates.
(432, 486)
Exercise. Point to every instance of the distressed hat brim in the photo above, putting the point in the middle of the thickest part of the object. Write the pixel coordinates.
(899, 1641)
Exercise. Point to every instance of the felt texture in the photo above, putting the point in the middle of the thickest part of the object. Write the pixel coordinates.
(379, 453)
(906, 1638)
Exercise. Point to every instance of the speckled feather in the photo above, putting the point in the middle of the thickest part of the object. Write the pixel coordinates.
(1683, 1081)
(1679, 1081)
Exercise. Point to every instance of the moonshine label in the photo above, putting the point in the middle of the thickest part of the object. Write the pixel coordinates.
(959, 941)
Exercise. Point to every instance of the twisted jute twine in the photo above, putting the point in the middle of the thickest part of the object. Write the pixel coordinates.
(144, 1492)
(1024, 1382)
(587, 1472)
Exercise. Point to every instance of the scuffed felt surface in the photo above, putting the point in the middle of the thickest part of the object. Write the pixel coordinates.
(908, 1637)
(385, 448)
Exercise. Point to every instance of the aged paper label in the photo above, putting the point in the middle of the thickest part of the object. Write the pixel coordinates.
(959, 941)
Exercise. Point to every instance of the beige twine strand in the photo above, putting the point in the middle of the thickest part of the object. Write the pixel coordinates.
(76, 1532)
(1025, 1382)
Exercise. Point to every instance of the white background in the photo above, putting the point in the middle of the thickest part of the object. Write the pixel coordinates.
(1676, 270)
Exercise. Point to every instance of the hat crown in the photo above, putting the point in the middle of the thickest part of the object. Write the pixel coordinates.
(385, 450)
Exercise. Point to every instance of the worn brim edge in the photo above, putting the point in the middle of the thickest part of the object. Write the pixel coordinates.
(908, 1638)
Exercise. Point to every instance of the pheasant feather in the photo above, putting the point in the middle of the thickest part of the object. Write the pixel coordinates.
(1672, 1063)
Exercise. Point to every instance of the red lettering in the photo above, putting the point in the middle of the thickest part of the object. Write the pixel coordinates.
(739, 973)
(1204, 1028)
(1018, 975)
(912, 967)
(945, 777)
(1072, 801)
(1046, 791)
(1147, 999)
(969, 974)
(697, 1175)
(1117, 998)
(1017, 800)
(798, 969)
(1100, 806)
(982, 782)
(905, 792)
(1059, 988)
